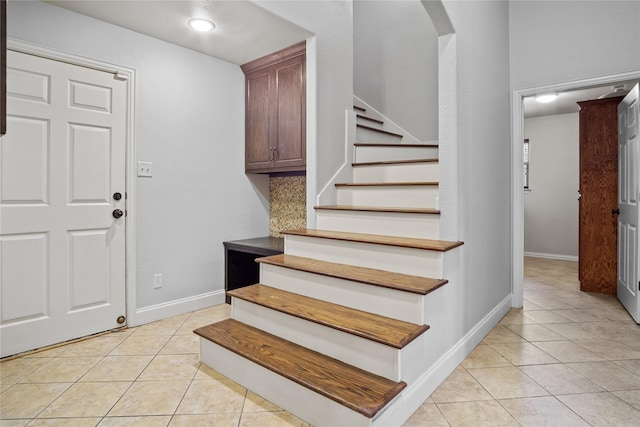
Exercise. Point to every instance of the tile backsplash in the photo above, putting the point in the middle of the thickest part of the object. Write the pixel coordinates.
(288, 203)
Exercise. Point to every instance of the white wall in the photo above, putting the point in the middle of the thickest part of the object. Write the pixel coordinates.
(396, 63)
(561, 41)
(189, 122)
(551, 207)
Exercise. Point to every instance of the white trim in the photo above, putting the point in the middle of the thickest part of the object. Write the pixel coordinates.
(312, 129)
(552, 256)
(517, 134)
(128, 75)
(414, 396)
(177, 307)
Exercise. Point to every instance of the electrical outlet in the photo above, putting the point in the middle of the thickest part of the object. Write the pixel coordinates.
(157, 280)
(145, 169)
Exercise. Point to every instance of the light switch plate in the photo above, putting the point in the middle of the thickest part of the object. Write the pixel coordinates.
(145, 169)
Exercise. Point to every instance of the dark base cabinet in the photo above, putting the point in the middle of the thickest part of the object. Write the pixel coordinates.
(239, 259)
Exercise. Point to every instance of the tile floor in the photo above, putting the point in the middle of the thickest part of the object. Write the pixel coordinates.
(567, 359)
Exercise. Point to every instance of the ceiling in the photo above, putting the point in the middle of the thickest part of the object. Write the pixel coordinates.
(243, 30)
(567, 101)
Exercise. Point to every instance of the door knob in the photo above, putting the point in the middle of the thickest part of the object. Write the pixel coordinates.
(615, 211)
(117, 213)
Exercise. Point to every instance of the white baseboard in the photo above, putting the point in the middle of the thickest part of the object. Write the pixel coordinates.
(411, 399)
(176, 307)
(552, 256)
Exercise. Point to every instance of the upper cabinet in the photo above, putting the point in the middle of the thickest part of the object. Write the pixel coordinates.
(275, 111)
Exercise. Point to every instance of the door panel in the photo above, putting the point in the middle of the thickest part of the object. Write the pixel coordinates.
(63, 259)
(629, 217)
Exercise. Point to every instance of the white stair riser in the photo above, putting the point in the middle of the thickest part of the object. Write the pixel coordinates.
(423, 226)
(418, 262)
(404, 172)
(387, 302)
(384, 153)
(294, 398)
(412, 196)
(367, 135)
(353, 350)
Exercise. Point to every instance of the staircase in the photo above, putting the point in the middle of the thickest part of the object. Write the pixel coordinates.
(335, 331)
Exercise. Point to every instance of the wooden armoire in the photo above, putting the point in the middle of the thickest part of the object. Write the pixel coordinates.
(597, 215)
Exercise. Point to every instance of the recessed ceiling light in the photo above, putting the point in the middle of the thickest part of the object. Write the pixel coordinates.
(200, 24)
(546, 98)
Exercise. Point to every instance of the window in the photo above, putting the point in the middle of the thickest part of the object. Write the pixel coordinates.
(526, 163)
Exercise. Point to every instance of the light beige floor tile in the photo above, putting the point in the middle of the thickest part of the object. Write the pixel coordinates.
(182, 344)
(141, 345)
(210, 396)
(12, 371)
(208, 420)
(573, 331)
(631, 342)
(156, 421)
(150, 398)
(212, 314)
(602, 409)
(546, 316)
(206, 373)
(536, 333)
(630, 365)
(46, 352)
(98, 346)
(523, 354)
(86, 400)
(608, 375)
(568, 351)
(501, 334)
(270, 419)
(483, 356)
(171, 367)
(609, 349)
(542, 411)
(460, 386)
(27, 400)
(161, 327)
(189, 325)
(65, 422)
(478, 414)
(632, 397)
(14, 423)
(62, 369)
(552, 303)
(117, 368)
(609, 313)
(427, 414)
(255, 403)
(560, 379)
(529, 305)
(516, 317)
(507, 383)
(580, 315)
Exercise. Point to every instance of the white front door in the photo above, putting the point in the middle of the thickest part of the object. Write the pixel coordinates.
(62, 251)
(628, 195)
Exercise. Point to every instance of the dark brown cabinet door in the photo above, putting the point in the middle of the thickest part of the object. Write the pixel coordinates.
(275, 112)
(597, 228)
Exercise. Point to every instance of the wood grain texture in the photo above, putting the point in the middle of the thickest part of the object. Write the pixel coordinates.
(394, 162)
(347, 385)
(384, 330)
(356, 108)
(428, 211)
(371, 119)
(598, 240)
(386, 279)
(406, 242)
(385, 184)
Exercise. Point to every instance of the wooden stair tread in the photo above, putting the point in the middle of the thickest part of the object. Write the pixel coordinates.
(355, 107)
(371, 119)
(385, 144)
(347, 385)
(406, 242)
(385, 184)
(394, 162)
(386, 279)
(377, 209)
(384, 330)
(378, 130)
